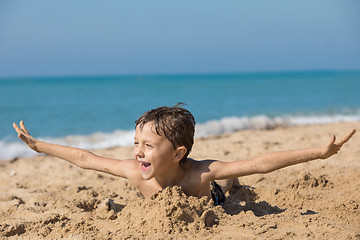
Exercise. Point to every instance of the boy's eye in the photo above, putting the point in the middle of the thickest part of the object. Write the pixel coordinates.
(136, 143)
(148, 145)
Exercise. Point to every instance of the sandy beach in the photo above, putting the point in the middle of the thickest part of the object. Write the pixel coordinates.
(44, 197)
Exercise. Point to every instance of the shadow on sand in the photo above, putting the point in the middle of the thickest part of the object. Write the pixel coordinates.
(243, 198)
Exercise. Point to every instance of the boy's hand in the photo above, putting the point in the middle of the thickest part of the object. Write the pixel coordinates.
(333, 147)
(24, 135)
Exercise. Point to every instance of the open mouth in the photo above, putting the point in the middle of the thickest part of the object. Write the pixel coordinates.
(145, 166)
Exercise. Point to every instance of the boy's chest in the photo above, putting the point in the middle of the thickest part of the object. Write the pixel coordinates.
(196, 188)
(190, 188)
(147, 188)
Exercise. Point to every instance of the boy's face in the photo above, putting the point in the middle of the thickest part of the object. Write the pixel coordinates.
(154, 153)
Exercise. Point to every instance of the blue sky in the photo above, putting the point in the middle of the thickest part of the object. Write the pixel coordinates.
(84, 37)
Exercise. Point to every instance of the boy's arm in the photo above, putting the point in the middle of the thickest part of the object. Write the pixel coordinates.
(269, 162)
(80, 157)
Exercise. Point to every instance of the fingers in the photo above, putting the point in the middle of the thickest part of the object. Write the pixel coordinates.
(347, 137)
(22, 125)
(332, 141)
(17, 129)
(20, 130)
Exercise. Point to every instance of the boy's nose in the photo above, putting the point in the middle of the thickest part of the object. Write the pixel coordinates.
(139, 152)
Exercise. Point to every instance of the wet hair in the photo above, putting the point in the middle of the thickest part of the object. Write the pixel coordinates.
(175, 123)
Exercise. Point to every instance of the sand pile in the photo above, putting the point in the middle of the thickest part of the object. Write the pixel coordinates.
(169, 212)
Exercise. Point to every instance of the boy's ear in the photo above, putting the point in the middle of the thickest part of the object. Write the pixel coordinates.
(179, 153)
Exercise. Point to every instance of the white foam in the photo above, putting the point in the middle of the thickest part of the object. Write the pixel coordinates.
(14, 149)
(96, 140)
(11, 150)
(231, 124)
(307, 120)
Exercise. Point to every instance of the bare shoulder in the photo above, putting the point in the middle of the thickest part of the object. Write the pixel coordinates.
(194, 165)
(211, 169)
(202, 167)
(198, 176)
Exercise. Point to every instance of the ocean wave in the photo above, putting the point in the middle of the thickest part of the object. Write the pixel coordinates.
(231, 124)
(99, 140)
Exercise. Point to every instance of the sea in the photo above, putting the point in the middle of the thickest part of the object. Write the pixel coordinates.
(95, 112)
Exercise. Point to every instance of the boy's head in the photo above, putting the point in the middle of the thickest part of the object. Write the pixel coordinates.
(175, 123)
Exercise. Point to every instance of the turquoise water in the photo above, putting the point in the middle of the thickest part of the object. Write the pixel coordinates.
(96, 112)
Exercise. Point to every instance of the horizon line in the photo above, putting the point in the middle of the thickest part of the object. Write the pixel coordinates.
(140, 75)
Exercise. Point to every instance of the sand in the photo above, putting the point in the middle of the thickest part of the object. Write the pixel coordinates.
(44, 197)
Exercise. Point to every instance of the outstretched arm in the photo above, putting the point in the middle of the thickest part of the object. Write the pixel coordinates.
(77, 156)
(269, 162)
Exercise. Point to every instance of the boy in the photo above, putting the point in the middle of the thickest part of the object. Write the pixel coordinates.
(163, 140)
